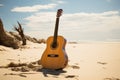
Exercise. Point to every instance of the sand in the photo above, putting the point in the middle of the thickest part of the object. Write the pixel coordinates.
(87, 61)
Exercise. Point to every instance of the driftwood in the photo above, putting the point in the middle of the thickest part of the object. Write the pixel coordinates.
(21, 33)
(12, 39)
(6, 39)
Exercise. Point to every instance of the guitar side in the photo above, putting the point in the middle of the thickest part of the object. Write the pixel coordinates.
(54, 58)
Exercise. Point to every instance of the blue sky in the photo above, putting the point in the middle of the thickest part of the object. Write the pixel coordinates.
(82, 20)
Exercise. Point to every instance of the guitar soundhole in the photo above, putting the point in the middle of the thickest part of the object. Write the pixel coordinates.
(52, 55)
(54, 45)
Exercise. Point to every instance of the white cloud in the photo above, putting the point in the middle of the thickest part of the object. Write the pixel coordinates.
(61, 2)
(58, 1)
(41, 23)
(1, 5)
(77, 26)
(93, 21)
(34, 8)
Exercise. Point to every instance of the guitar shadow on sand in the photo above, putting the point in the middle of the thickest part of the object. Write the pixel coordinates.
(51, 72)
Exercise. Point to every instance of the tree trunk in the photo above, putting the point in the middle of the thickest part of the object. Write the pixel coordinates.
(6, 39)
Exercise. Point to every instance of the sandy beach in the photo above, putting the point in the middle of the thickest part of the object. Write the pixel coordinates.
(87, 61)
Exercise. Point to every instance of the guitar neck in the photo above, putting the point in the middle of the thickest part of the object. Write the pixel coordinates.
(59, 12)
(56, 30)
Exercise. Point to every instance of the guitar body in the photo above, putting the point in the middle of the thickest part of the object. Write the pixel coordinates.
(54, 58)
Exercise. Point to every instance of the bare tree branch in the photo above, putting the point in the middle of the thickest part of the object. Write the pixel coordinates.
(21, 33)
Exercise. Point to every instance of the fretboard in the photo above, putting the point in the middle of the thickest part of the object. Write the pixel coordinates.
(56, 31)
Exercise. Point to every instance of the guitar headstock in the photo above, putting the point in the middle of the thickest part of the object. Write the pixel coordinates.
(59, 13)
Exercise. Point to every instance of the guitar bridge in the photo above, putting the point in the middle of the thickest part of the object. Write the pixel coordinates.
(53, 55)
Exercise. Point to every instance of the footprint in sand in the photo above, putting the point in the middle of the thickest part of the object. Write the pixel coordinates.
(74, 66)
(103, 63)
(2, 49)
(72, 76)
(111, 78)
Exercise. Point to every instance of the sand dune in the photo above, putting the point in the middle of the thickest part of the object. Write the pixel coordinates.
(87, 61)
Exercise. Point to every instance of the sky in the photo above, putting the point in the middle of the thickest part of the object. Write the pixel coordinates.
(81, 21)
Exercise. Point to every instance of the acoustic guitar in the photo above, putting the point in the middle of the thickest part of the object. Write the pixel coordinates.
(54, 56)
